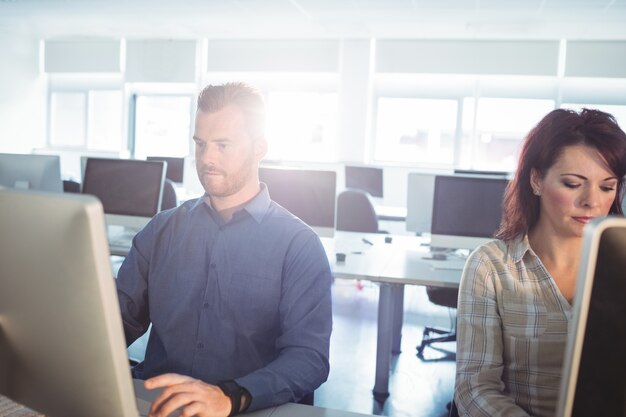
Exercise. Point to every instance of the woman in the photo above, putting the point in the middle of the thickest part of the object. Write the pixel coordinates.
(516, 291)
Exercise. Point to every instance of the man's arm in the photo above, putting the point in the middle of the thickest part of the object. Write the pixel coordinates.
(306, 324)
(132, 287)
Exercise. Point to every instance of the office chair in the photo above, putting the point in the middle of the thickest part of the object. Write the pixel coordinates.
(446, 297)
(355, 212)
(453, 411)
(168, 200)
(70, 186)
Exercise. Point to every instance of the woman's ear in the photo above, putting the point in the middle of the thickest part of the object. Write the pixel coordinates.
(535, 181)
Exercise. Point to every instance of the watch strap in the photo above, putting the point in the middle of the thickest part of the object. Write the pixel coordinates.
(233, 391)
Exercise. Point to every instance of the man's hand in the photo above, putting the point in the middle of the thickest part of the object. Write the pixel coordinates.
(192, 396)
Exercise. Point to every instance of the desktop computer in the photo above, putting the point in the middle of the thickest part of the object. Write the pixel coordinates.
(307, 194)
(62, 346)
(594, 369)
(130, 191)
(31, 172)
(466, 210)
(365, 178)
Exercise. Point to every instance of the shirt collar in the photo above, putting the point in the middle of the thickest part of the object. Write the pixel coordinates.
(519, 247)
(257, 207)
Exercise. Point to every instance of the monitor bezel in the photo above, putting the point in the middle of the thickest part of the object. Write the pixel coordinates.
(592, 236)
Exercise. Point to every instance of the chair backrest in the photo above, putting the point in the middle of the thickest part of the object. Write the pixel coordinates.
(70, 186)
(169, 199)
(447, 297)
(355, 212)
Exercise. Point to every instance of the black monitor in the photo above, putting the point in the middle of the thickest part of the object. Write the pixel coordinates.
(31, 172)
(466, 210)
(175, 167)
(62, 345)
(368, 179)
(594, 369)
(130, 190)
(308, 194)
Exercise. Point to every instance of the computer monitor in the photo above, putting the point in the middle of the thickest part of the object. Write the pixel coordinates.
(419, 202)
(594, 369)
(368, 179)
(480, 172)
(308, 194)
(62, 345)
(175, 167)
(130, 190)
(466, 210)
(31, 172)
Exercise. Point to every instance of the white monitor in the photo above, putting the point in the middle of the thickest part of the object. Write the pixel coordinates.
(130, 190)
(594, 369)
(466, 210)
(307, 194)
(419, 202)
(62, 345)
(31, 172)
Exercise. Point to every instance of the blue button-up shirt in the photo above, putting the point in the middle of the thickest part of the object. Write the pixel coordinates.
(247, 300)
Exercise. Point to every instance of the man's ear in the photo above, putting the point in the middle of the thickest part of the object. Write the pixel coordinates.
(260, 148)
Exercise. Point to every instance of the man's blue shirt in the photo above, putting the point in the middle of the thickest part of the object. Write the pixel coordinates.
(247, 300)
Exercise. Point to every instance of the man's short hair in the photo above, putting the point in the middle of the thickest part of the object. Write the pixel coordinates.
(247, 98)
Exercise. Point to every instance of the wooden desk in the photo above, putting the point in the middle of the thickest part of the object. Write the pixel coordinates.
(392, 265)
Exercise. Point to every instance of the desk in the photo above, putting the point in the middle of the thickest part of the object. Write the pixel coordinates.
(145, 398)
(391, 265)
(390, 213)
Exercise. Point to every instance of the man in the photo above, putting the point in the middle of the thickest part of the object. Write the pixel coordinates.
(237, 288)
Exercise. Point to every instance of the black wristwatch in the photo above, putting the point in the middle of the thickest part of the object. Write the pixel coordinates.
(233, 391)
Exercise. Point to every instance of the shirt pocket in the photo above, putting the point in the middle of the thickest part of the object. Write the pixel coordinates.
(524, 314)
(254, 301)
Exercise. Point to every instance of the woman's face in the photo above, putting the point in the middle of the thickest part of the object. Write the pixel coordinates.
(577, 188)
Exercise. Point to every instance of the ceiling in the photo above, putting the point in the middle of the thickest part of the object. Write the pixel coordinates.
(241, 19)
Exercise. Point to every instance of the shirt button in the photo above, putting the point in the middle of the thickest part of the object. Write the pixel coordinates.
(200, 345)
(205, 305)
(213, 265)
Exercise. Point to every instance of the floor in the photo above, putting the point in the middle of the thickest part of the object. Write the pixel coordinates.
(417, 388)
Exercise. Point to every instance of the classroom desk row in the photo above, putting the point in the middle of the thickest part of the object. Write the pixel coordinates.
(392, 262)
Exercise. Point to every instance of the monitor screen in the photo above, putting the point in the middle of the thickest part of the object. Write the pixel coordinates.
(175, 167)
(419, 202)
(466, 210)
(368, 179)
(308, 194)
(31, 172)
(594, 370)
(126, 187)
(62, 346)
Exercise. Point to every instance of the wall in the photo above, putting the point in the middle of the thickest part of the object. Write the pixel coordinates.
(23, 95)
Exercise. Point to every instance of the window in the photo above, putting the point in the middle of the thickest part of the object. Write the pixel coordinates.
(105, 120)
(416, 130)
(493, 129)
(302, 126)
(619, 112)
(67, 119)
(162, 126)
(89, 119)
